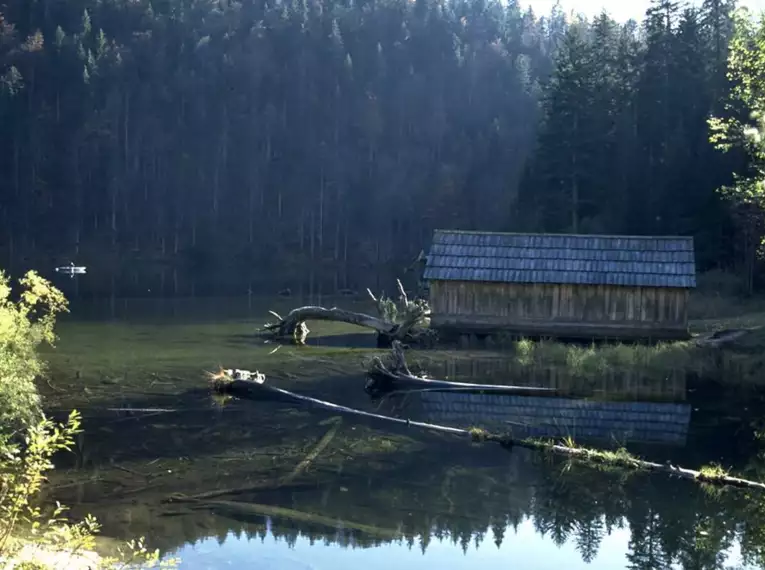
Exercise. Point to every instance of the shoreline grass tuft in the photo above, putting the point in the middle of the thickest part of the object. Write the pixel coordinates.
(594, 360)
(616, 457)
(655, 361)
(713, 472)
(478, 434)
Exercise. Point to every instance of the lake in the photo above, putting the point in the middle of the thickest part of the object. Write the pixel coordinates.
(341, 492)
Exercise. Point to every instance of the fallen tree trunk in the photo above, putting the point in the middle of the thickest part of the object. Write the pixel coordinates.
(388, 325)
(397, 376)
(292, 327)
(257, 389)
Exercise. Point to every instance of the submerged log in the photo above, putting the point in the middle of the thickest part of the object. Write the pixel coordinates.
(393, 323)
(397, 376)
(241, 510)
(721, 338)
(258, 390)
(270, 484)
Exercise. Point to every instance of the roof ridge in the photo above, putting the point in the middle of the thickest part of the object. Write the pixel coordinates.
(553, 234)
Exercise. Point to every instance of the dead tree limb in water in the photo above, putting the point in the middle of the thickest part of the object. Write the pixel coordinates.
(404, 322)
(239, 510)
(397, 376)
(721, 338)
(269, 484)
(257, 389)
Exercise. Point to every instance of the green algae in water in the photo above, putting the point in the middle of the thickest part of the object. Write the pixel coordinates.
(106, 362)
(203, 443)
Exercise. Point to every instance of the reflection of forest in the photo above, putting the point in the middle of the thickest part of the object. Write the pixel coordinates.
(670, 521)
(423, 486)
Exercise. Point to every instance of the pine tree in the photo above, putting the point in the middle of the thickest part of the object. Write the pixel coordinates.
(566, 158)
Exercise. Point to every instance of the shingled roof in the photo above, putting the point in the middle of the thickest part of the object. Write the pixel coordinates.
(638, 261)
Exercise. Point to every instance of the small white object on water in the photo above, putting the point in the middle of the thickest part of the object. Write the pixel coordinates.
(238, 374)
(72, 269)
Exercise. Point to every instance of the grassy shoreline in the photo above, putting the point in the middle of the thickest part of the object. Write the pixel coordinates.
(742, 359)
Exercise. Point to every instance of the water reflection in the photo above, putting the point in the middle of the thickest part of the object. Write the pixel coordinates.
(612, 384)
(613, 408)
(434, 491)
(521, 547)
(550, 417)
(379, 495)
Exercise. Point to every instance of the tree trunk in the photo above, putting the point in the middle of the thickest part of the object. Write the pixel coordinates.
(293, 327)
(574, 185)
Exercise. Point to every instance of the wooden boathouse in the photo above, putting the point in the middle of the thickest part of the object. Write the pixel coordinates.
(557, 285)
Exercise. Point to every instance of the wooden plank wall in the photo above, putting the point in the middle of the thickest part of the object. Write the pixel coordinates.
(567, 303)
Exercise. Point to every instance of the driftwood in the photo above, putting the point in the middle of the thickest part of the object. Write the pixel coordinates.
(397, 376)
(257, 390)
(395, 322)
(293, 327)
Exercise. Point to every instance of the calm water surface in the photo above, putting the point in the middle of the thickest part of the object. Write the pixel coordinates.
(376, 496)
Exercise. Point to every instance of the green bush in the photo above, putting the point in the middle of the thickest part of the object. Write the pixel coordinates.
(22, 473)
(29, 440)
(25, 324)
(46, 532)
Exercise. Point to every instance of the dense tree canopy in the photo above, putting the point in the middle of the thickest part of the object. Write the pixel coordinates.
(223, 134)
(623, 146)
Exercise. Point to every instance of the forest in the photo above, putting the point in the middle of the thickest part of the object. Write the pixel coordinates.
(220, 134)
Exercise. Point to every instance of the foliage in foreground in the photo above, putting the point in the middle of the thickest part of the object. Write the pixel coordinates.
(22, 473)
(26, 529)
(25, 324)
(743, 129)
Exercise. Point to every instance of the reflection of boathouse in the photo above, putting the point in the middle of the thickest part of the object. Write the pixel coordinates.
(616, 404)
(528, 416)
(611, 384)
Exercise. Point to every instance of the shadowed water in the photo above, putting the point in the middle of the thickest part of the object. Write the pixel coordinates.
(377, 495)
